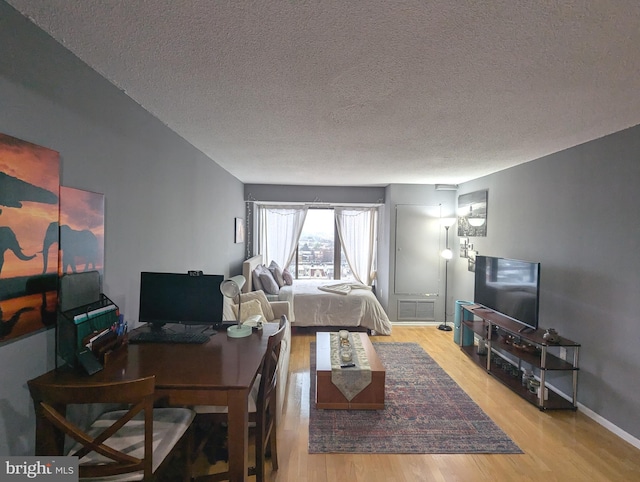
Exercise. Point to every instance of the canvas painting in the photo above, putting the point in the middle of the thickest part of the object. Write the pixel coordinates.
(239, 230)
(29, 203)
(472, 214)
(81, 231)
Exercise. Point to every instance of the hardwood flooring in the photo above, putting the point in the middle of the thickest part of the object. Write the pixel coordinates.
(557, 445)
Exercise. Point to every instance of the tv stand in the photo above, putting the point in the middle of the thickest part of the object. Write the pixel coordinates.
(526, 329)
(511, 349)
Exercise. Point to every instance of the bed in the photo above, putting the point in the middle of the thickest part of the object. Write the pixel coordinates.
(350, 306)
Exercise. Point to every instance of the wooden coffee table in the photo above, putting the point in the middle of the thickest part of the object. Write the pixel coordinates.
(327, 394)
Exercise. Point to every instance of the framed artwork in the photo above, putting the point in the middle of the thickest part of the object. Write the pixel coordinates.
(239, 230)
(81, 231)
(29, 203)
(472, 214)
(464, 247)
(472, 260)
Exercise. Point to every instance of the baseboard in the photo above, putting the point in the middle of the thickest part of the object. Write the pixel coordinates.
(416, 323)
(609, 426)
(601, 420)
(588, 412)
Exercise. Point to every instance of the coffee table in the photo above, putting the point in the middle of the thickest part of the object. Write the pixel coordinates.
(327, 394)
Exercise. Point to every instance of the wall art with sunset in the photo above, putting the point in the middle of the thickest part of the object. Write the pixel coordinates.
(37, 217)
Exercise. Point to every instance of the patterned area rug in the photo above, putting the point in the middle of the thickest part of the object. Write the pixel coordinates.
(426, 413)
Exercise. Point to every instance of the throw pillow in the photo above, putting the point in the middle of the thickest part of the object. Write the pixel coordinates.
(264, 302)
(276, 271)
(255, 278)
(287, 277)
(247, 309)
(269, 284)
(227, 310)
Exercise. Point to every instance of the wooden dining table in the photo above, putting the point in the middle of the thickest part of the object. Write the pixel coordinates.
(219, 372)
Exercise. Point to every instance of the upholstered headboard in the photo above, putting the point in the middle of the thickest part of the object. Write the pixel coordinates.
(247, 271)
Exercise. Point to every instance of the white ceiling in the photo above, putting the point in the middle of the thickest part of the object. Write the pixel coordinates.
(335, 92)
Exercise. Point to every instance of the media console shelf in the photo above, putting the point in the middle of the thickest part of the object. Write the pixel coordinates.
(510, 350)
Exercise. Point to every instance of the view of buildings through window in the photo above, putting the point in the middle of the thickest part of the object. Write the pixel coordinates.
(316, 248)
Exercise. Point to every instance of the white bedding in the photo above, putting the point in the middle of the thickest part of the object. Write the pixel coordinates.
(312, 306)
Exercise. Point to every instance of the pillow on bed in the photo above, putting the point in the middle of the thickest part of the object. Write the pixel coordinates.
(276, 271)
(287, 277)
(255, 277)
(269, 284)
(247, 309)
(264, 303)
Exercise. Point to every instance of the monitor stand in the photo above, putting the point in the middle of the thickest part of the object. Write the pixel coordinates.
(210, 330)
(156, 327)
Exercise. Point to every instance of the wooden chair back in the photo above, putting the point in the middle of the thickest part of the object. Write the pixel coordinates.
(266, 403)
(50, 401)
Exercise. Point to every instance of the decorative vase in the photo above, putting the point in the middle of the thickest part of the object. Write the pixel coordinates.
(551, 336)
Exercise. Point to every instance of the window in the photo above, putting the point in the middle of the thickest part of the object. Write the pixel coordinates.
(317, 247)
(308, 241)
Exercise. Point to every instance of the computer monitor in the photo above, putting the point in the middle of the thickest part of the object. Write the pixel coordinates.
(180, 298)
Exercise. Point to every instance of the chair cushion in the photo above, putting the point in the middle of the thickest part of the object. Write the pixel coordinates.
(169, 424)
(248, 309)
(259, 295)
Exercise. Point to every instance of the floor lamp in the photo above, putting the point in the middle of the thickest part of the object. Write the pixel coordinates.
(447, 254)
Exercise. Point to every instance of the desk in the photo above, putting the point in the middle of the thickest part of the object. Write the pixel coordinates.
(219, 372)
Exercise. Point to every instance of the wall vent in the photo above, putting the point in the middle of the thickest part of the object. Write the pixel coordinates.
(416, 310)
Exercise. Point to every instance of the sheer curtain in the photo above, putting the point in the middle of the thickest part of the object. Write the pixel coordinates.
(357, 229)
(280, 229)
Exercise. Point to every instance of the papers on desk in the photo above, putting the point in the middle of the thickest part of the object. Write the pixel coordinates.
(93, 313)
(254, 321)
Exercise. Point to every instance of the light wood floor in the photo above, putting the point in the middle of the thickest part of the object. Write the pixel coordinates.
(557, 445)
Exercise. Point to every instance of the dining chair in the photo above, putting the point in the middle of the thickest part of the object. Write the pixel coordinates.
(131, 444)
(263, 409)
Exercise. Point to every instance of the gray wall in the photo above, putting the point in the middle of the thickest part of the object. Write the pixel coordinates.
(168, 207)
(421, 195)
(576, 212)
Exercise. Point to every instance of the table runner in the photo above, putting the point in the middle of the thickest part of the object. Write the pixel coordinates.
(350, 381)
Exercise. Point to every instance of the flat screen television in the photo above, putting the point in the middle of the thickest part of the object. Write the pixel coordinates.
(180, 298)
(510, 287)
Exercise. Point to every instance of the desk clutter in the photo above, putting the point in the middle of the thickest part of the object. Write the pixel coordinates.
(90, 327)
(95, 329)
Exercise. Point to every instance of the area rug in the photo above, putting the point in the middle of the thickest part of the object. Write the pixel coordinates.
(426, 412)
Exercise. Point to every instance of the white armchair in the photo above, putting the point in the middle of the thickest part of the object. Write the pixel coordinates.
(272, 311)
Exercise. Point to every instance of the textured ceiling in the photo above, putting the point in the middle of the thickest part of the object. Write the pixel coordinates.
(365, 92)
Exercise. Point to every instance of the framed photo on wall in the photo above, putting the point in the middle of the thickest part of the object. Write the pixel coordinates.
(472, 214)
(239, 230)
(29, 203)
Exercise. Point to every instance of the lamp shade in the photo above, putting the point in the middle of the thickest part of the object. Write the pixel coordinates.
(446, 253)
(447, 222)
(231, 287)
